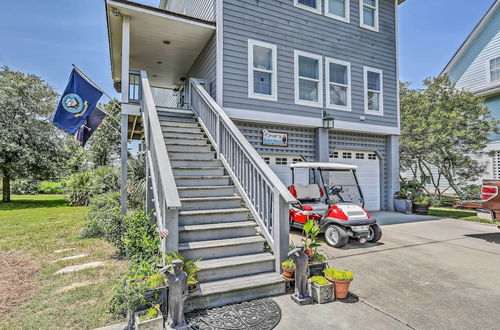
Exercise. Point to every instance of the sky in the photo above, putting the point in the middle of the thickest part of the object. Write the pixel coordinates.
(46, 37)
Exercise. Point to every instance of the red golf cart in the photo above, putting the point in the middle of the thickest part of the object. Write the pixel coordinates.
(336, 203)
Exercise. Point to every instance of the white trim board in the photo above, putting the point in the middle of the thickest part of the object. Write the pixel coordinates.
(219, 60)
(292, 120)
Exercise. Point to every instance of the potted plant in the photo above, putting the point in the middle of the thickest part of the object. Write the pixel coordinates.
(143, 292)
(317, 260)
(288, 269)
(421, 204)
(341, 280)
(150, 319)
(320, 289)
(402, 201)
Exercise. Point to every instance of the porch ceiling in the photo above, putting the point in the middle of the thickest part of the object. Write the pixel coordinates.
(149, 28)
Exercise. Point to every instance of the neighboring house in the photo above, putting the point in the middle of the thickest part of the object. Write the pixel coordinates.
(476, 67)
(269, 69)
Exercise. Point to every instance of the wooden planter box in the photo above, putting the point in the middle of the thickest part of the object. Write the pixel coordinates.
(421, 208)
(149, 296)
(316, 269)
(321, 293)
(152, 324)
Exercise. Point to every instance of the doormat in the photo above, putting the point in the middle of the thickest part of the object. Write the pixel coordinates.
(258, 314)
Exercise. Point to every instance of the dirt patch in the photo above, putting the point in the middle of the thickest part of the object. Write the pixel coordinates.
(17, 281)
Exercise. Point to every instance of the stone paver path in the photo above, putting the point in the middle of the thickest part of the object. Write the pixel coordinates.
(76, 268)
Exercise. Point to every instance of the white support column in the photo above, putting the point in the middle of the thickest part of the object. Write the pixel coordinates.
(321, 148)
(392, 160)
(124, 117)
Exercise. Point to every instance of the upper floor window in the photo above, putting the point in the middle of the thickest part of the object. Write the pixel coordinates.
(262, 77)
(374, 91)
(338, 89)
(368, 13)
(308, 79)
(338, 9)
(495, 69)
(311, 5)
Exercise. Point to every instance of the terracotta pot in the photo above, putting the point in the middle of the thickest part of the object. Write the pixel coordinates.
(341, 287)
(288, 272)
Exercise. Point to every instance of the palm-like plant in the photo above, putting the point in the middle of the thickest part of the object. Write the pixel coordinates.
(136, 187)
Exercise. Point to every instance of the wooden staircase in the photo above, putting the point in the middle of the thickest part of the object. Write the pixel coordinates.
(214, 225)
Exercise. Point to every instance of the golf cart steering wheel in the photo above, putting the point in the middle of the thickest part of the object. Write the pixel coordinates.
(335, 190)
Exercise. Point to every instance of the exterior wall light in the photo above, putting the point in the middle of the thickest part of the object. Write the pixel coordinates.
(328, 120)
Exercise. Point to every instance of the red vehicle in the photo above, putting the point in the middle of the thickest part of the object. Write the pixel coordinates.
(490, 207)
(336, 204)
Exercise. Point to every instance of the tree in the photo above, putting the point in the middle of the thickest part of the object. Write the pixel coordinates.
(30, 146)
(445, 128)
(104, 144)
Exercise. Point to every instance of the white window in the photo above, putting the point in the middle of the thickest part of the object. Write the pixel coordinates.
(311, 5)
(281, 161)
(494, 69)
(338, 9)
(338, 84)
(368, 14)
(262, 76)
(374, 91)
(308, 79)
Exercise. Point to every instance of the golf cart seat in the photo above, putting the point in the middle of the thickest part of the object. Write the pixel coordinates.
(309, 195)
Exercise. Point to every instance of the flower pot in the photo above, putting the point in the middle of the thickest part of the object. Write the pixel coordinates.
(288, 272)
(421, 208)
(151, 324)
(341, 287)
(402, 205)
(321, 293)
(192, 288)
(317, 268)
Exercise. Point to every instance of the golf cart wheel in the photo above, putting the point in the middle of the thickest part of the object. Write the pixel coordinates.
(336, 236)
(375, 234)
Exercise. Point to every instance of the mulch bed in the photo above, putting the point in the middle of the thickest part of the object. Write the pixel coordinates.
(17, 281)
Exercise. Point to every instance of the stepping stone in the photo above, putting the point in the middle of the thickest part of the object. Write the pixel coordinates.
(64, 250)
(73, 286)
(78, 256)
(76, 268)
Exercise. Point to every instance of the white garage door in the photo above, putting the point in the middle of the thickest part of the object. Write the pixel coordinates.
(280, 164)
(368, 174)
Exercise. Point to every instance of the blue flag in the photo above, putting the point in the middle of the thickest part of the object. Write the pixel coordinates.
(77, 102)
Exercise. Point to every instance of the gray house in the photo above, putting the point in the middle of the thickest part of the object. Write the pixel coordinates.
(227, 94)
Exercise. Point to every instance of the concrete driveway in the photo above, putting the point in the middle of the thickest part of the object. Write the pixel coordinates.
(425, 273)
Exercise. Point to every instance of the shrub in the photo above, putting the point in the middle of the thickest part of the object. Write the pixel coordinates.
(339, 275)
(140, 239)
(288, 264)
(49, 187)
(79, 188)
(471, 192)
(24, 187)
(104, 219)
(106, 179)
(136, 187)
(319, 280)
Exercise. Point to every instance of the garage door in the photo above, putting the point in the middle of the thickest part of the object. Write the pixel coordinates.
(280, 164)
(368, 174)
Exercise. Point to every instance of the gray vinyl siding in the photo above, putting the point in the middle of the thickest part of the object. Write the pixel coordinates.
(300, 140)
(204, 65)
(291, 28)
(203, 9)
(365, 142)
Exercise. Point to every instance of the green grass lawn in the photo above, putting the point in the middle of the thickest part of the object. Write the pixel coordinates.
(461, 214)
(31, 229)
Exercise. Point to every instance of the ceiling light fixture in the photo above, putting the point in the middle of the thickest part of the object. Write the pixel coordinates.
(159, 62)
(166, 42)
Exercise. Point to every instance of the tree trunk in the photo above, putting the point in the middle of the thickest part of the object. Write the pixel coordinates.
(5, 188)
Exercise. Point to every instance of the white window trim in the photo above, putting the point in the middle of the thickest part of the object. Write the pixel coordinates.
(367, 69)
(340, 18)
(298, 53)
(311, 9)
(488, 71)
(274, 71)
(329, 60)
(361, 18)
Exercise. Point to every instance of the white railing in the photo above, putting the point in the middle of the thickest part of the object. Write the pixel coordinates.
(265, 195)
(165, 195)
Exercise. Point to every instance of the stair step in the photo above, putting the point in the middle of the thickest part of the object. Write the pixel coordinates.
(177, 123)
(214, 180)
(221, 248)
(195, 162)
(184, 135)
(206, 191)
(175, 117)
(188, 147)
(204, 203)
(214, 231)
(176, 129)
(173, 154)
(234, 290)
(181, 111)
(218, 269)
(212, 216)
(187, 171)
(190, 141)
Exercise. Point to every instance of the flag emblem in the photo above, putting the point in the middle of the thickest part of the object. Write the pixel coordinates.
(73, 103)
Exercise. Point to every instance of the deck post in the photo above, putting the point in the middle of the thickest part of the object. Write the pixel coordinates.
(124, 117)
(392, 159)
(322, 148)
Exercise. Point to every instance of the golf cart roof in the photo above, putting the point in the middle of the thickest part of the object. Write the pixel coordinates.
(324, 166)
